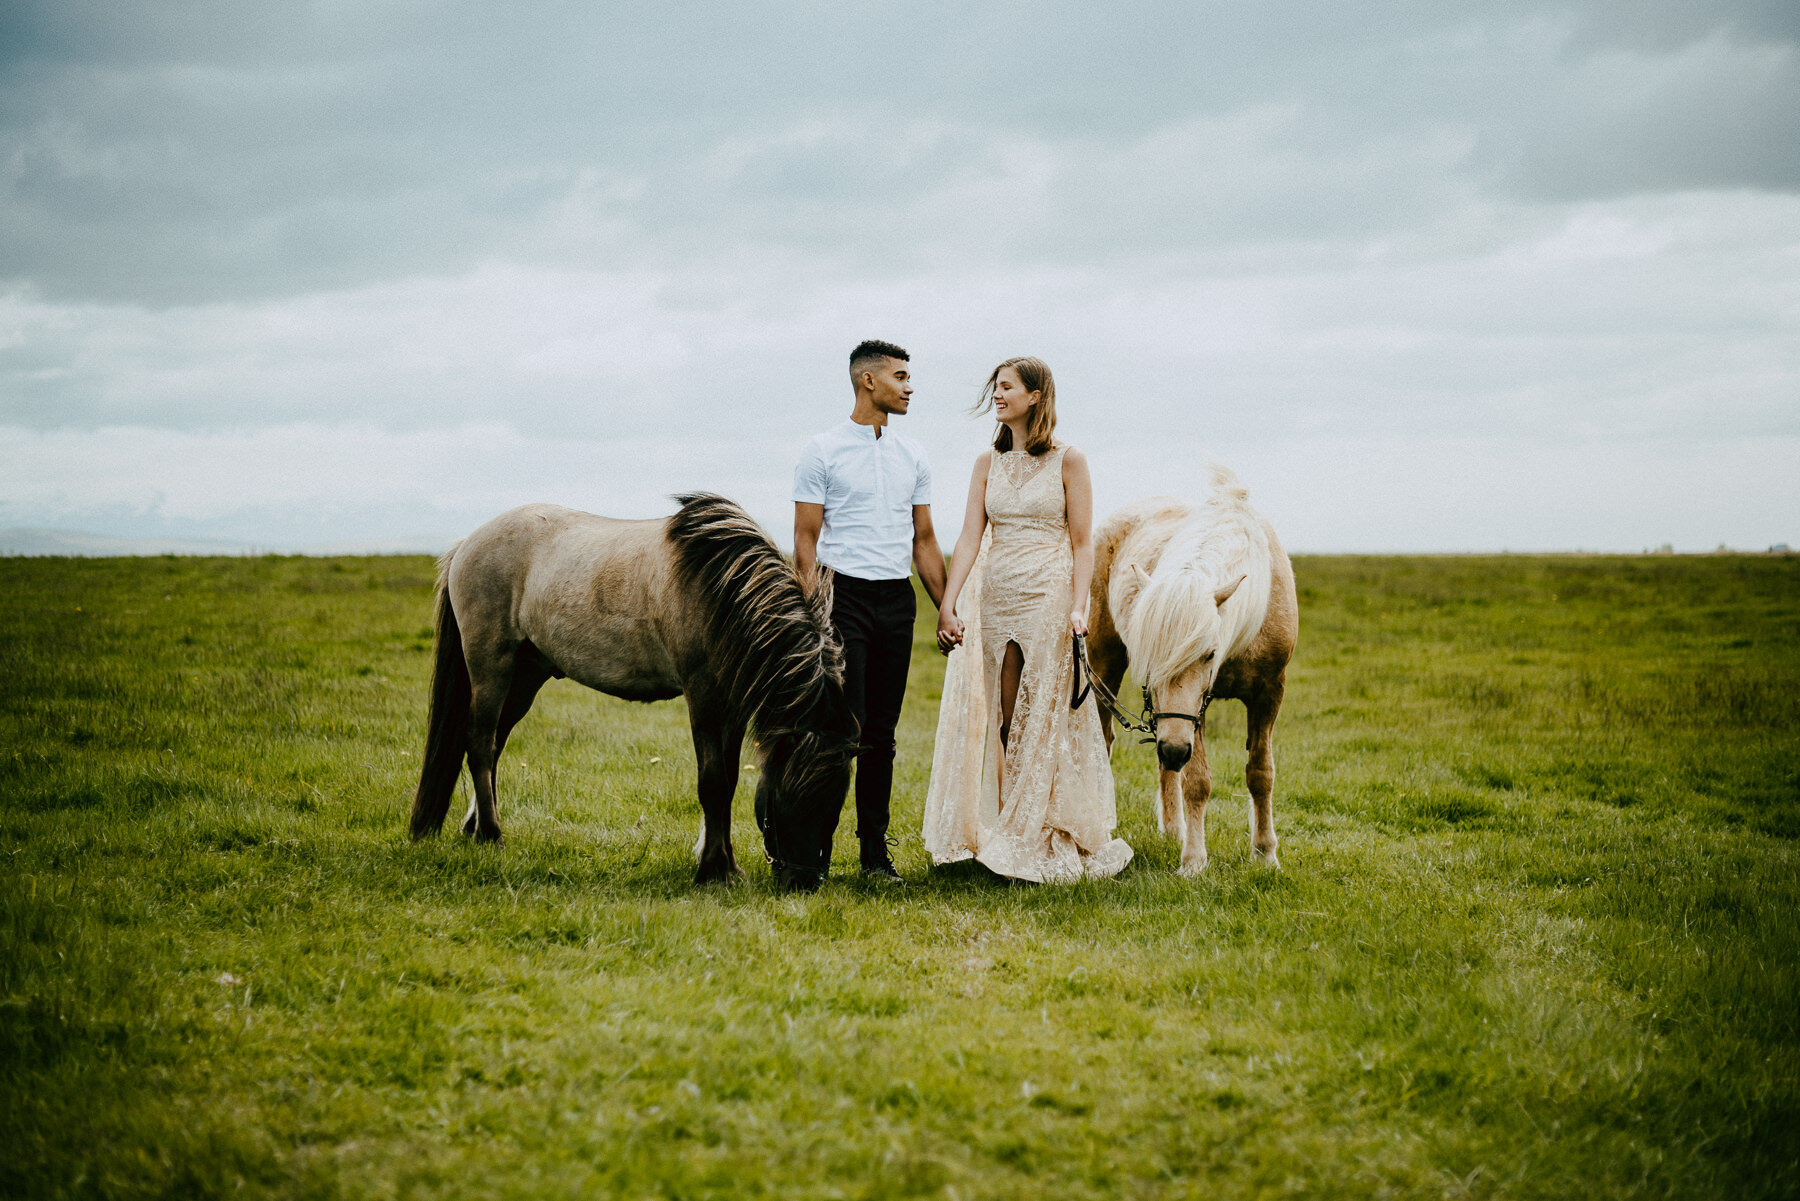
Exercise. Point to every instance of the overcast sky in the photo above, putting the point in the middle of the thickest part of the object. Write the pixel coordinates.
(1443, 275)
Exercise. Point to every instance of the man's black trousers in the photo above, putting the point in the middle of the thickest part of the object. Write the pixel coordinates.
(874, 618)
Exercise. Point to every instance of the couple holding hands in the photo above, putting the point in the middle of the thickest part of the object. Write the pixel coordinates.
(1020, 781)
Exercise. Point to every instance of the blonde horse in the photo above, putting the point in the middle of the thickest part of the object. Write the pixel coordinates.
(1200, 599)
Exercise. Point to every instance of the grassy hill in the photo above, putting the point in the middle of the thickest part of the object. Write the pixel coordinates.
(1536, 934)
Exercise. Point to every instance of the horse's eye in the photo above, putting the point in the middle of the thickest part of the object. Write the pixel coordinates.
(1207, 657)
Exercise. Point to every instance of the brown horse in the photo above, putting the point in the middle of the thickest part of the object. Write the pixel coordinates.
(1201, 600)
(700, 605)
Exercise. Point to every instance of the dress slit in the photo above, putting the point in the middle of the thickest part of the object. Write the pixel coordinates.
(1018, 685)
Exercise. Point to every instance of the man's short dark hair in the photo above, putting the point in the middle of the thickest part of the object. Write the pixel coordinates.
(865, 354)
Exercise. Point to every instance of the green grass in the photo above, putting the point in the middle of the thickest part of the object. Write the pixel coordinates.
(1535, 936)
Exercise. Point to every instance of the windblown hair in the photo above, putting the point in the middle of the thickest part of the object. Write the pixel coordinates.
(1040, 426)
(772, 642)
(1175, 617)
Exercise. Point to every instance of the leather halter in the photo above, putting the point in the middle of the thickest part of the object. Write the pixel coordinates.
(1086, 682)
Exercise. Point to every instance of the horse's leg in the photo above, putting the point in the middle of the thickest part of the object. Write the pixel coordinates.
(490, 674)
(531, 671)
(718, 741)
(1259, 772)
(1196, 790)
(1171, 818)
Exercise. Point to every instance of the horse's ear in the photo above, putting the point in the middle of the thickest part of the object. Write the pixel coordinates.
(1134, 583)
(1224, 594)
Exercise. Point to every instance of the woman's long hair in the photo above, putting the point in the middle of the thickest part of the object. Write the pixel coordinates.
(1040, 426)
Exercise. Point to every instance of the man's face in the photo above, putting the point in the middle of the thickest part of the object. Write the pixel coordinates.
(893, 386)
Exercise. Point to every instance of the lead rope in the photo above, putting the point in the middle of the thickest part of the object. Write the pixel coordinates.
(1087, 683)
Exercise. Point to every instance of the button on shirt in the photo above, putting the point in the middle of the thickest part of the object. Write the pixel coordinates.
(868, 486)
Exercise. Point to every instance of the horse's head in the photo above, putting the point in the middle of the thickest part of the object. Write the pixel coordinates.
(806, 760)
(1178, 641)
(799, 793)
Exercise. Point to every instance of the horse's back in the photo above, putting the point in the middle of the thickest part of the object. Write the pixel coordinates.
(590, 592)
(1266, 657)
(1140, 531)
(540, 549)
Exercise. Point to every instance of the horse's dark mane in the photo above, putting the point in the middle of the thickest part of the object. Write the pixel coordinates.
(772, 641)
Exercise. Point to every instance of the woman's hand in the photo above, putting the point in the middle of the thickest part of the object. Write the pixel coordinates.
(949, 631)
(1078, 621)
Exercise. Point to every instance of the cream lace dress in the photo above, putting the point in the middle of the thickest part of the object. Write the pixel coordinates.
(1049, 814)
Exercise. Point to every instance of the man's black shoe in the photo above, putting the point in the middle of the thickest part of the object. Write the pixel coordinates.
(881, 870)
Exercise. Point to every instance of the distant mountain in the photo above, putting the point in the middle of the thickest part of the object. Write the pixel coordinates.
(424, 544)
(79, 543)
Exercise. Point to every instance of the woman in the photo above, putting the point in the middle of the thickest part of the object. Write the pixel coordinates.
(1018, 780)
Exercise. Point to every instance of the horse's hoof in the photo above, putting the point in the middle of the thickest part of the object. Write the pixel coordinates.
(1191, 869)
(490, 836)
(1268, 862)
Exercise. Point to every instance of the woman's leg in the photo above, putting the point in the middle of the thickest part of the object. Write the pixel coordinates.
(1012, 666)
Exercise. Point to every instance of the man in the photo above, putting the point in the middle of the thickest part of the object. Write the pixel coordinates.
(862, 506)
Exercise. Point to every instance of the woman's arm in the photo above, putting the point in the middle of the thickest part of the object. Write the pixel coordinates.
(962, 561)
(1078, 495)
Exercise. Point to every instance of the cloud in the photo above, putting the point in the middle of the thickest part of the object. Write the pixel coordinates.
(1671, 315)
(1715, 113)
(390, 265)
(190, 153)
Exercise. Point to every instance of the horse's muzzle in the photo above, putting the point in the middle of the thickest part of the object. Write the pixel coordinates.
(789, 878)
(1174, 755)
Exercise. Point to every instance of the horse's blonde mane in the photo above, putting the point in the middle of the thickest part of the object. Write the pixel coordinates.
(1222, 540)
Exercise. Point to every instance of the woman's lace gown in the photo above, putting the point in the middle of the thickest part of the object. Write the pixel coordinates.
(1049, 814)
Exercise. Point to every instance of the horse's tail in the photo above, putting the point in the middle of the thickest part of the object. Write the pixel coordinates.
(447, 724)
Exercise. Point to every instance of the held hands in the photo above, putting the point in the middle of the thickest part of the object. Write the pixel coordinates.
(950, 628)
(949, 631)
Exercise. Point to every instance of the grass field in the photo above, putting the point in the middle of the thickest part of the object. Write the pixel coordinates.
(1535, 936)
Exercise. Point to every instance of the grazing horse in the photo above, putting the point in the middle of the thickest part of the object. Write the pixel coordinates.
(1201, 601)
(700, 605)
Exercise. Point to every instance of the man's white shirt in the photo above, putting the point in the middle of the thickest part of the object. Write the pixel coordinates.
(868, 486)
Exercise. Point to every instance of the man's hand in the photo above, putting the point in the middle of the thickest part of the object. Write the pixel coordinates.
(949, 631)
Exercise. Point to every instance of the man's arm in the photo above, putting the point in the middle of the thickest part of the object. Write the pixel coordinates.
(926, 556)
(809, 519)
(809, 513)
